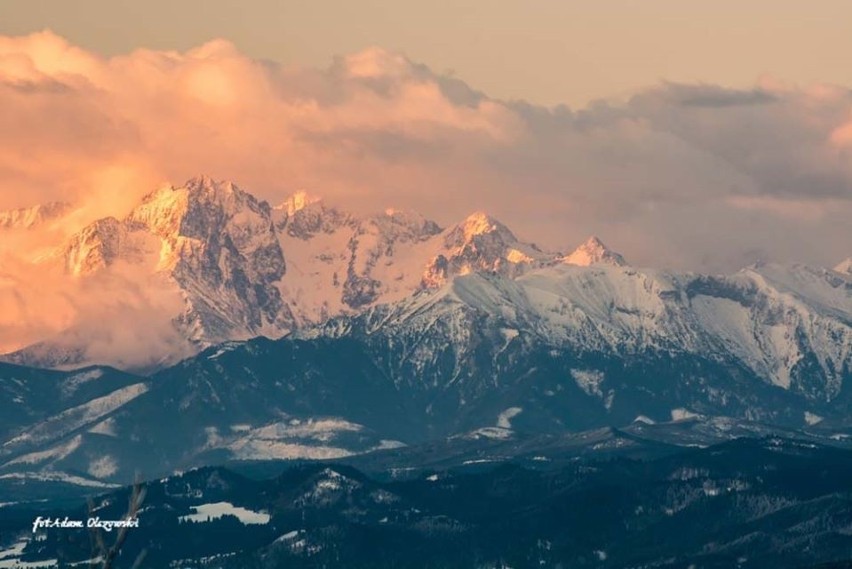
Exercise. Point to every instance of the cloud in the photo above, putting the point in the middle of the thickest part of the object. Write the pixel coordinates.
(690, 176)
(714, 96)
(40, 303)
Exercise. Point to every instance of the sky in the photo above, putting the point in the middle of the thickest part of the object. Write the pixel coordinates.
(543, 51)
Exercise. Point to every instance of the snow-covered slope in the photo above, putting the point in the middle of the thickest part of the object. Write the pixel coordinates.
(789, 326)
(779, 321)
(339, 263)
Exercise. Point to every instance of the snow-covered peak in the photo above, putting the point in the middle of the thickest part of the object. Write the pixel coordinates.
(476, 224)
(479, 222)
(593, 252)
(206, 192)
(25, 218)
(481, 243)
(200, 208)
(212, 242)
(306, 217)
(405, 216)
(845, 266)
(297, 202)
(171, 211)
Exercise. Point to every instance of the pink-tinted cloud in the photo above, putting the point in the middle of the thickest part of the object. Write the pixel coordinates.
(122, 315)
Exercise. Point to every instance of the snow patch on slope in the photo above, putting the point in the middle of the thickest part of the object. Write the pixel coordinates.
(504, 420)
(54, 454)
(56, 476)
(73, 382)
(103, 467)
(589, 381)
(214, 511)
(72, 419)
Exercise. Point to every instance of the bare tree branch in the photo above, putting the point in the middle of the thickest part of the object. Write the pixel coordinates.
(106, 554)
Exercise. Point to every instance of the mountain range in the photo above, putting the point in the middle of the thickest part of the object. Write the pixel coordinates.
(242, 269)
(310, 332)
(245, 269)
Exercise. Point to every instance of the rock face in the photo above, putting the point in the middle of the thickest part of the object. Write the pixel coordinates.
(217, 243)
(346, 262)
(108, 241)
(224, 254)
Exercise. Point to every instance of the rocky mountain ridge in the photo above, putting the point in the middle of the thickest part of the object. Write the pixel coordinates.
(245, 269)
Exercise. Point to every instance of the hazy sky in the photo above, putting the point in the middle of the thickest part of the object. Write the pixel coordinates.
(544, 51)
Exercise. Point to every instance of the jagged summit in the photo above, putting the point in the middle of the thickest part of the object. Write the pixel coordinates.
(480, 243)
(195, 186)
(304, 216)
(167, 207)
(205, 183)
(845, 266)
(594, 252)
(410, 218)
(216, 243)
(479, 224)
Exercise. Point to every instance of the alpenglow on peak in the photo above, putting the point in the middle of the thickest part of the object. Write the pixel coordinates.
(479, 224)
(594, 252)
